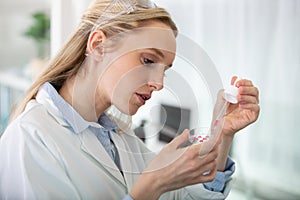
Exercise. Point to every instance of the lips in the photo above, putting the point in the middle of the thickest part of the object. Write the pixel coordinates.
(143, 97)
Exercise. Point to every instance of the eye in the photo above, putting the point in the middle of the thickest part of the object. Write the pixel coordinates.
(147, 61)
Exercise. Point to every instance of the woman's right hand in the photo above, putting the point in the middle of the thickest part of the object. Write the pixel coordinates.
(176, 167)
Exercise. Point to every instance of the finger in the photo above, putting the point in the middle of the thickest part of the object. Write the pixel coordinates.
(203, 169)
(206, 177)
(180, 140)
(244, 82)
(233, 79)
(212, 172)
(246, 99)
(208, 146)
(202, 159)
(208, 168)
(248, 90)
(211, 156)
(253, 107)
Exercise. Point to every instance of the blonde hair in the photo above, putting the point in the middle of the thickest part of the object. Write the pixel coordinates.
(71, 56)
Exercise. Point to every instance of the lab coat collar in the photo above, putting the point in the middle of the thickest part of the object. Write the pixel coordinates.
(65, 114)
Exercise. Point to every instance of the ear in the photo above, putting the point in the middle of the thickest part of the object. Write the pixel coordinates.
(95, 39)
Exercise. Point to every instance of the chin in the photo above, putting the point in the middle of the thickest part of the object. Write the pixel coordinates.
(132, 110)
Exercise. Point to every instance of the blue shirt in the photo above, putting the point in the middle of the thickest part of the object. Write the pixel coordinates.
(105, 126)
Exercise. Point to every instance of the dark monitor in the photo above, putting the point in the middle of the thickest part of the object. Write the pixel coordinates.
(173, 120)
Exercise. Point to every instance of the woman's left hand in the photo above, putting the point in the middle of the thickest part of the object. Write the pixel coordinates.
(245, 112)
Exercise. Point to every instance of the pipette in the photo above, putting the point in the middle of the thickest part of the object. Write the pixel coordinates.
(230, 96)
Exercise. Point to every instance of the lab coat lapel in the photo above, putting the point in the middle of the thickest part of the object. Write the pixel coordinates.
(93, 148)
(128, 163)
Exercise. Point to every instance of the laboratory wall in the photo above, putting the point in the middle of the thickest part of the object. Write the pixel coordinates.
(258, 40)
(15, 17)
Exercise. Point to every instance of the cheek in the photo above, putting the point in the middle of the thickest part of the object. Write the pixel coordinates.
(126, 80)
(122, 94)
(121, 90)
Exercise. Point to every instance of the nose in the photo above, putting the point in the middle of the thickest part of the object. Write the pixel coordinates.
(156, 78)
(156, 86)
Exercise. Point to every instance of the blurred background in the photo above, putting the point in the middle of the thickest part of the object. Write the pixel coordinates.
(254, 39)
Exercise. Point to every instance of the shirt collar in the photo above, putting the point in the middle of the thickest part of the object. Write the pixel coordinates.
(48, 96)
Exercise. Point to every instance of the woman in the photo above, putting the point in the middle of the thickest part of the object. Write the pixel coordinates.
(65, 143)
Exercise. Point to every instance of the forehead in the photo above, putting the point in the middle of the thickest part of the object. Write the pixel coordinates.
(153, 36)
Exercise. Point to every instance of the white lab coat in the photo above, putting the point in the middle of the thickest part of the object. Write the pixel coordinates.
(42, 158)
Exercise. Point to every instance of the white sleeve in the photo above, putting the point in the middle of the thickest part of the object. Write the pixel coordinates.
(30, 168)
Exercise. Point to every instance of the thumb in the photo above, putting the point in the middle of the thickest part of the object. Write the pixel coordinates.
(181, 139)
(233, 80)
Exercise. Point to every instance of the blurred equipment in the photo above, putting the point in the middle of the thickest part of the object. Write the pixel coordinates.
(140, 131)
(173, 121)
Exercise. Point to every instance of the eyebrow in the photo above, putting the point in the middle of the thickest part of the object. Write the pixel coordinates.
(159, 53)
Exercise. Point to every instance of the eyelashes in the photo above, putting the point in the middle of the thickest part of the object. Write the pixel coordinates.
(148, 62)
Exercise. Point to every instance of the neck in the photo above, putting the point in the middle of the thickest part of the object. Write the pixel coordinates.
(80, 92)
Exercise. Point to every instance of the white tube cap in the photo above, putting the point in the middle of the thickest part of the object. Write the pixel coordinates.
(231, 92)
